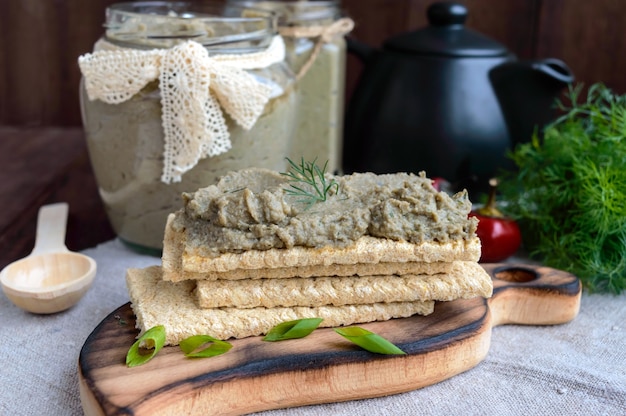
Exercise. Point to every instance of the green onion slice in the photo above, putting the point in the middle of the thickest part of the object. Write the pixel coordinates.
(369, 341)
(299, 328)
(151, 342)
(216, 347)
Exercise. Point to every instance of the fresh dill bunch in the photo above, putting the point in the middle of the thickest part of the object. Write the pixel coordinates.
(569, 191)
(308, 182)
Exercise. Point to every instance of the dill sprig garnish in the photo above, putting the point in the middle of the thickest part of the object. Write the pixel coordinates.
(569, 192)
(308, 182)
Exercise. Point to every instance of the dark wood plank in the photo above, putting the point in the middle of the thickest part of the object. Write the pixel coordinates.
(323, 367)
(512, 23)
(41, 166)
(31, 45)
(40, 45)
(40, 42)
(375, 21)
(588, 36)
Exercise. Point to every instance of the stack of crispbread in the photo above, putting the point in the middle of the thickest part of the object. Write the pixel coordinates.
(244, 255)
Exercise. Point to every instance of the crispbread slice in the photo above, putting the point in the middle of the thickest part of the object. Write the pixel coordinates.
(365, 250)
(342, 270)
(465, 280)
(178, 255)
(173, 270)
(172, 257)
(159, 302)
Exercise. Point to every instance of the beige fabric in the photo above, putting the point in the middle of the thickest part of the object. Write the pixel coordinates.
(194, 88)
(574, 369)
(465, 280)
(158, 302)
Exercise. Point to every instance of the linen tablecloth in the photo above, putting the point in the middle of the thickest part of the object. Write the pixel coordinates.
(578, 368)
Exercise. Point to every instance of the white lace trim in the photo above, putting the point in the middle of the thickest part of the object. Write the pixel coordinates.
(195, 87)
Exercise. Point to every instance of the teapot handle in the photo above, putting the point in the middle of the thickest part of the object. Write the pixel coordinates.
(359, 49)
(527, 91)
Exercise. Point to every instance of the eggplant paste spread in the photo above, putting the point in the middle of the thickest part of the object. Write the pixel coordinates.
(250, 209)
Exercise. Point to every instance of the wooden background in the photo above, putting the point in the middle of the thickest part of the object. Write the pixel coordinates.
(40, 41)
(43, 156)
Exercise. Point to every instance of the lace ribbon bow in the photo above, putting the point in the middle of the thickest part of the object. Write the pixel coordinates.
(194, 88)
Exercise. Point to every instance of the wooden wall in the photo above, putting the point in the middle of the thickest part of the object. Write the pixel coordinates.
(40, 41)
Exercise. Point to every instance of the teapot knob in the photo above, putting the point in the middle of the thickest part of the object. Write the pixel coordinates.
(446, 14)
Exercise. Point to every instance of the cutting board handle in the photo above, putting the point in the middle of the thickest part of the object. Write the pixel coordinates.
(320, 368)
(532, 295)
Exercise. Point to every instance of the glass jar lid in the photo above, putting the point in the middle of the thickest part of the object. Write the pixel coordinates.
(161, 24)
(297, 13)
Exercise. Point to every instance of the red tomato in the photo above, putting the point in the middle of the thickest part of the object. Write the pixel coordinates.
(500, 237)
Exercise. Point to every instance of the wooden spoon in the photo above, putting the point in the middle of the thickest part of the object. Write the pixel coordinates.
(52, 278)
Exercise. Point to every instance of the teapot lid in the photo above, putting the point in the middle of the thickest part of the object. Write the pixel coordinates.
(446, 35)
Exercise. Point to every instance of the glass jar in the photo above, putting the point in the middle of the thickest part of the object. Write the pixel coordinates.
(321, 78)
(126, 139)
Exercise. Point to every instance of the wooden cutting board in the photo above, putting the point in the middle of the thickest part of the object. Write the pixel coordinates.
(323, 367)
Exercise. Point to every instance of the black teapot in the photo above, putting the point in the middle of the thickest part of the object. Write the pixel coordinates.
(446, 100)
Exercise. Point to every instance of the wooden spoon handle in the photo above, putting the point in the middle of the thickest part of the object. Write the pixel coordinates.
(532, 295)
(51, 226)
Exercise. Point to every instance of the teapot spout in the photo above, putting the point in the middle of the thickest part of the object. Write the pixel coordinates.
(527, 92)
(555, 69)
